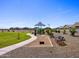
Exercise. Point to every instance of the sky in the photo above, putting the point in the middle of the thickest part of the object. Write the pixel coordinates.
(27, 13)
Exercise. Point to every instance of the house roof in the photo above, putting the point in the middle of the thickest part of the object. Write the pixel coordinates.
(67, 26)
(76, 24)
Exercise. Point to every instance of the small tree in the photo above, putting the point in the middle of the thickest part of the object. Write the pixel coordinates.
(73, 31)
(64, 31)
(58, 30)
(49, 32)
(18, 36)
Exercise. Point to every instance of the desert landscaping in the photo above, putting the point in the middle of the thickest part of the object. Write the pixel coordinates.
(49, 43)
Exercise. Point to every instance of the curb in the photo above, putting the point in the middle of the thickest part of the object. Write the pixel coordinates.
(50, 41)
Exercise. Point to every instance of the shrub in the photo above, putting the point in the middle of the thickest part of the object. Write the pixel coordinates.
(40, 31)
(54, 30)
(64, 31)
(73, 31)
(58, 31)
(49, 32)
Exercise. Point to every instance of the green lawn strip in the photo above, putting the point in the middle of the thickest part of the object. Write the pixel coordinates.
(10, 38)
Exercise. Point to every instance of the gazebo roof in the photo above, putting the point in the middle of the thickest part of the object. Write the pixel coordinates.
(39, 24)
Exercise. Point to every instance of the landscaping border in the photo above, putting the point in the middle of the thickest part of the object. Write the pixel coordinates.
(18, 45)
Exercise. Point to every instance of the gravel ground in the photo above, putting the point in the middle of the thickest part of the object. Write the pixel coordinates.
(69, 51)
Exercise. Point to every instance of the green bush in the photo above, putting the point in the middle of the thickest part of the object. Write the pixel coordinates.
(73, 31)
(58, 31)
(49, 32)
(54, 30)
(40, 31)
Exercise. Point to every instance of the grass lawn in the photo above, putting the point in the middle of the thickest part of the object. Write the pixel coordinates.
(9, 38)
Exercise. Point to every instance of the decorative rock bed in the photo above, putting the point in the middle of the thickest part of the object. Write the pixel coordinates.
(60, 40)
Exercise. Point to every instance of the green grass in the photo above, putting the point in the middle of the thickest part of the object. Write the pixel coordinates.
(10, 38)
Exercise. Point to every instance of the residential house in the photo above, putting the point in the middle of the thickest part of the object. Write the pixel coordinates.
(76, 25)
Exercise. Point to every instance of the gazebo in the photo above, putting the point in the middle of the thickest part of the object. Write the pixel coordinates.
(40, 25)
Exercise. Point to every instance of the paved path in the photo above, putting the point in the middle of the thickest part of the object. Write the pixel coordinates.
(69, 51)
(41, 38)
(18, 45)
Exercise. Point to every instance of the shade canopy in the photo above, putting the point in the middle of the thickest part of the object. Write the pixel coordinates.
(39, 24)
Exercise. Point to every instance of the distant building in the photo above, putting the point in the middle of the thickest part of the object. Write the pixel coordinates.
(67, 26)
(76, 25)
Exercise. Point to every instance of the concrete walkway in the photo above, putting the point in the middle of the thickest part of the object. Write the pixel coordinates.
(18, 45)
(41, 38)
